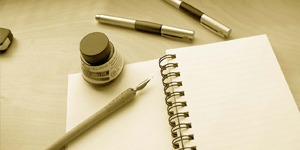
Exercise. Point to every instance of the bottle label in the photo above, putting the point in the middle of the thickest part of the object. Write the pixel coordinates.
(104, 73)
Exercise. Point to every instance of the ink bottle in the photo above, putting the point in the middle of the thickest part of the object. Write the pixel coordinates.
(100, 61)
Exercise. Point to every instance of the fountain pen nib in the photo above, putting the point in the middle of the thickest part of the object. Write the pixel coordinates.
(142, 85)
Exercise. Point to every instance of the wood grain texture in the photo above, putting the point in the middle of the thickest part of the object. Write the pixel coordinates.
(33, 72)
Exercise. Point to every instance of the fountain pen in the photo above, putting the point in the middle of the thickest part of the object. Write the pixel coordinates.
(121, 100)
(146, 26)
(205, 20)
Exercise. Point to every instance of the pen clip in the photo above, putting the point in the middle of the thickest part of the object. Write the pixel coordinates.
(215, 26)
(213, 30)
(175, 37)
(177, 33)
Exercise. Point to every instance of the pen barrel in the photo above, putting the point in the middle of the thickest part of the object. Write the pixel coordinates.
(164, 30)
(114, 105)
(208, 22)
(120, 101)
(148, 26)
(190, 10)
(128, 23)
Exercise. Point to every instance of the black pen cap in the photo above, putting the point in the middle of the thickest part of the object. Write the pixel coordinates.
(95, 48)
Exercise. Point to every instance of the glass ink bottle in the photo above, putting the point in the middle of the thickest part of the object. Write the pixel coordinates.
(100, 61)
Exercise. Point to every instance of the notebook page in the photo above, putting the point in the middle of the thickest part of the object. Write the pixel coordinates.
(237, 97)
(141, 124)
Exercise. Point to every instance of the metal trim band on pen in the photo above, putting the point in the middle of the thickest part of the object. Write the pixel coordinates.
(204, 19)
(147, 26)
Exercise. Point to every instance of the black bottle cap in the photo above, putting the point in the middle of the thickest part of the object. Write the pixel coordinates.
(95, 48)
(6, 38)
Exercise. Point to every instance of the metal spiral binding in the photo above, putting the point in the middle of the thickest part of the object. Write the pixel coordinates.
(173, 104)
(177, 116)
(169, 56)
(171, 84)
(188, 148)
(181, 138)
(168, 75)
(180, 126)
(173, 95)
(166, 66)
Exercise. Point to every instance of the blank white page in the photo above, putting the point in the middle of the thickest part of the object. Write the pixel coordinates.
(141, 124)
(237, 96)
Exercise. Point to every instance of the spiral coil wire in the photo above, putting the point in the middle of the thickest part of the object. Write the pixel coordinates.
(173, 105)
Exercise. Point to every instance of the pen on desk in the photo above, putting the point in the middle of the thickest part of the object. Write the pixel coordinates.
(148, 27)
(114, 105)
(204, 19)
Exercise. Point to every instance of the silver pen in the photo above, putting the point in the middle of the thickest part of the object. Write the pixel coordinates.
(204, 19)
(148, 27)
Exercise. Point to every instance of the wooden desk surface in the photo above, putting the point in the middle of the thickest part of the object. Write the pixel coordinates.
(34, 71)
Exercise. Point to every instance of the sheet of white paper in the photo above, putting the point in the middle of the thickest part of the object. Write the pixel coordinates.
(237, 96)
(141, 124)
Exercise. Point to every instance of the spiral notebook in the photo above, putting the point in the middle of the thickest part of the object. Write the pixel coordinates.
(230, 95)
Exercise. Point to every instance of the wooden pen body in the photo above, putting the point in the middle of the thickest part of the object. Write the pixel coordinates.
(114, 105)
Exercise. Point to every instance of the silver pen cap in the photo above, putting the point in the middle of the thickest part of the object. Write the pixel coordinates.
(129, 23)
(215, 26)
(175, 3)
(177, 32)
